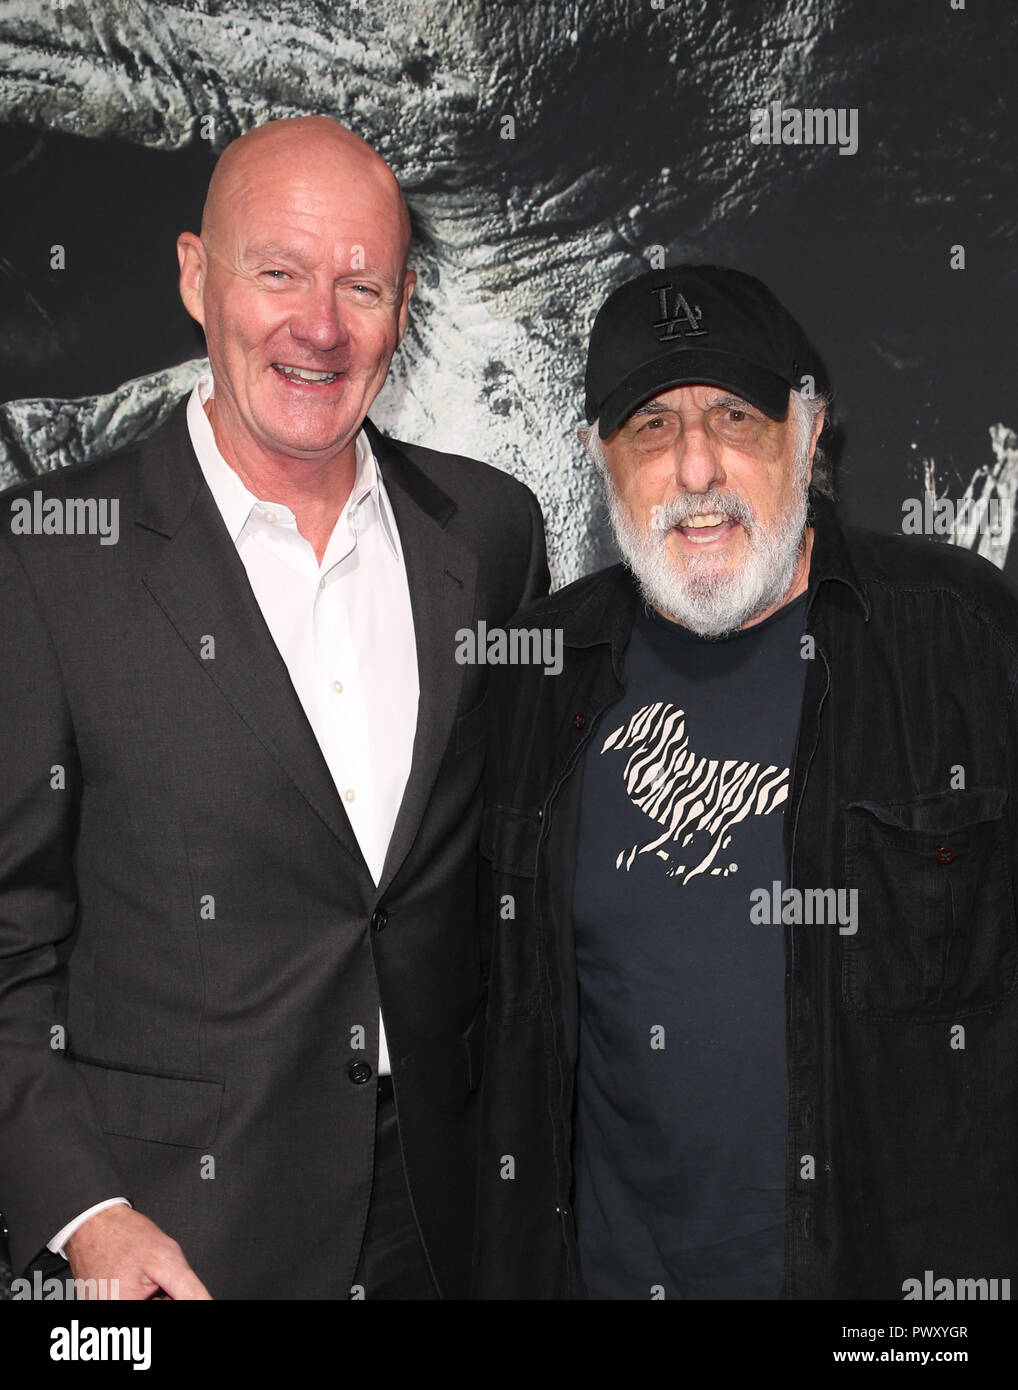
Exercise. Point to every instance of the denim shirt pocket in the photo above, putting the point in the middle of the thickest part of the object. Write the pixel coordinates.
(936, 935)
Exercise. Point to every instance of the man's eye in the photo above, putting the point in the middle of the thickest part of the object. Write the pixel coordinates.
(656, 423)
(736, 414)
(276, 274)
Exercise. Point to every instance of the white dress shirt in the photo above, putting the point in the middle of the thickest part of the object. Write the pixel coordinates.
(345, 630)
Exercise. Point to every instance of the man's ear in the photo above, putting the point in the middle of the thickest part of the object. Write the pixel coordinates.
(409, 281)
(818, 425)
(191, 258)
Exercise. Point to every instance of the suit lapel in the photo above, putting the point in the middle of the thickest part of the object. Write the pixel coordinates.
(442, 575)
(200, 583)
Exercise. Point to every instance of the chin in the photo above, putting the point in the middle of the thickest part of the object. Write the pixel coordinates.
(693, 569)
(307, 441)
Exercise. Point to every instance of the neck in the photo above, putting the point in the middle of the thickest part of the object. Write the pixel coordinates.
(315, 490)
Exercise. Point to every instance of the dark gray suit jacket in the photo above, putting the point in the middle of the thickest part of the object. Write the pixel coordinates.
(190, 940)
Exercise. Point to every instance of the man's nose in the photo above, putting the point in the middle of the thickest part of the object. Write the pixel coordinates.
(697, 457)
(319, 320)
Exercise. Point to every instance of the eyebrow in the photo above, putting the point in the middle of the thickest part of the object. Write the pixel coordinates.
(274, 251)
(656, 407)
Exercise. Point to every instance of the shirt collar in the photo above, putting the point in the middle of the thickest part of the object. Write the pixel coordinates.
(831, 558)
(236, 502)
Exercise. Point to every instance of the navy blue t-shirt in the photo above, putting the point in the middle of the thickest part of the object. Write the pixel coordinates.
(682, 1086)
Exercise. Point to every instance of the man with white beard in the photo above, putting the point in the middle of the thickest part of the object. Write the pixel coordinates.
(688, 1095)
(706, 594)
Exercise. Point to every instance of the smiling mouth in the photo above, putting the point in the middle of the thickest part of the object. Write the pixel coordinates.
(305, 376)
(706, 527)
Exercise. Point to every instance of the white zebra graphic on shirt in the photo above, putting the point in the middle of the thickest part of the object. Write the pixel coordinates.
(687, 794)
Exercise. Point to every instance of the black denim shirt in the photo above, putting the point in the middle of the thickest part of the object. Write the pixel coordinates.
(902, 1038)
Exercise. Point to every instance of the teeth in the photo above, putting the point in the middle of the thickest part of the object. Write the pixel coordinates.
(702, 521)
(302, 374)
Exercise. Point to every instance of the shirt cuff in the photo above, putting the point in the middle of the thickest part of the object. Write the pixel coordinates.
(63, 1236)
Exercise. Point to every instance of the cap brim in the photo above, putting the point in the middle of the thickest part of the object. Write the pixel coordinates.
(758, 385)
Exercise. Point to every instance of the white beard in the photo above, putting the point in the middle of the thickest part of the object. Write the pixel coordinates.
(702, 593)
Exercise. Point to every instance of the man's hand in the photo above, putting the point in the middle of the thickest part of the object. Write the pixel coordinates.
(120, 1244)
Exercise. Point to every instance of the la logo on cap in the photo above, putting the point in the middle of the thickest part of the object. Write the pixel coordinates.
(683, 323)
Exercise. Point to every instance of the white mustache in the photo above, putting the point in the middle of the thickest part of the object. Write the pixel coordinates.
(678, 510)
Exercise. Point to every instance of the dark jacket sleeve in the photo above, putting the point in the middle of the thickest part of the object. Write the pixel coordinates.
(538, 579)
(54, 1163)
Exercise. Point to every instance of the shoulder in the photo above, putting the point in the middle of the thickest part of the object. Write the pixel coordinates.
(114, 473)
(896, 568)
(82, 504)
(472, 485)
(587, 600)
(457, 471)
(111, 474)
(91, 507)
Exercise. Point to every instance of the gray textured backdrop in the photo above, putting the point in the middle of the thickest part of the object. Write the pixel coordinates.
(631, 126)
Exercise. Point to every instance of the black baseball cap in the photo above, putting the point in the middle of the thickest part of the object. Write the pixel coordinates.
(691, 324)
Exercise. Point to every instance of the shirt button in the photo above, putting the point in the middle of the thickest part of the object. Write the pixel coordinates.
(359, 1072)
(321, 584)
(349, 794)
(945, 854)
(337, 687)
(578, 721)
(269, 517)
(805, 1220)
(378, 919)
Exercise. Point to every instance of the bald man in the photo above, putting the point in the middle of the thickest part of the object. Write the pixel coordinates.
(241, 978)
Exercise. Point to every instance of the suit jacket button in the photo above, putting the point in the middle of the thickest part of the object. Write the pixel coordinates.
(378, 919)
(359, 1072)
